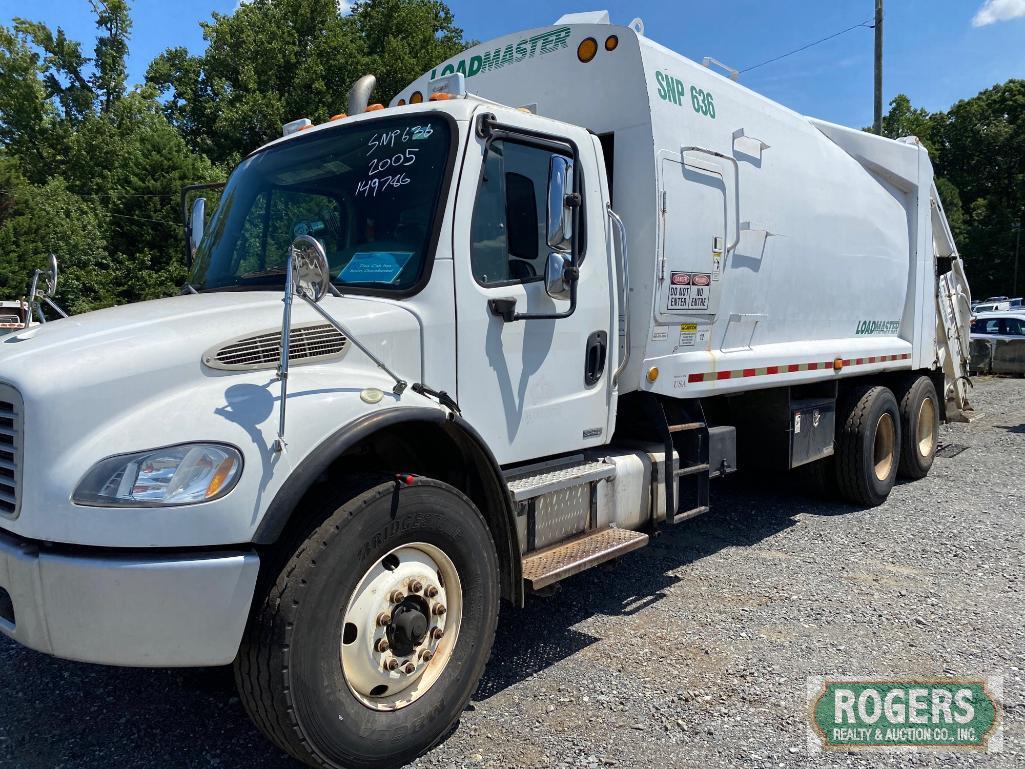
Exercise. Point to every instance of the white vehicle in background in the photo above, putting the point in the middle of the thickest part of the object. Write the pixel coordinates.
(522, 329)
(998, 343)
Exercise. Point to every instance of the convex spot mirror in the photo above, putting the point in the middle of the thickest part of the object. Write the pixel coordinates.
(558, 275)
(51, 277)
(311, 274)
(197, 223)
(560, 212)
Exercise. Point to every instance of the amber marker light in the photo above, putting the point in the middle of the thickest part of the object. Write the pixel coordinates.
(611, 42)
(653, 373)
(587, 49)
(416, 97)
(837, 364)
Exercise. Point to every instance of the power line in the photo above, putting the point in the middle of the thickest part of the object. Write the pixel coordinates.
(144, 219)
(867, 23)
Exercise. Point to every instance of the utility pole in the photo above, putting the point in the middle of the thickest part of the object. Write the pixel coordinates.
(1017, 249)
(878, 124)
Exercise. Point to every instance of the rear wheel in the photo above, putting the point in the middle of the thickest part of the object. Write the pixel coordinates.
(868, 445)
(365, 645)
(920, 424)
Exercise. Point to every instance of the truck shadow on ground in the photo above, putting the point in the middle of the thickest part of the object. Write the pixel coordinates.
(744, 511)
(58, 713)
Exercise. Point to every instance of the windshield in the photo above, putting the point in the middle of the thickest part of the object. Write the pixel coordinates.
(368, 192)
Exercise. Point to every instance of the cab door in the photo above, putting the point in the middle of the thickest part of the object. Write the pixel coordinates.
(532, 387)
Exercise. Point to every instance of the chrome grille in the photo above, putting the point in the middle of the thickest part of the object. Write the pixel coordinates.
(307, 344)
(11, 432)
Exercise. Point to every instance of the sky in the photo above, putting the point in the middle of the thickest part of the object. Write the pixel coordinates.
(935, 51)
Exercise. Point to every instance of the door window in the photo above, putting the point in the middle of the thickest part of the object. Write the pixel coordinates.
(1014, 327)
(508, 242)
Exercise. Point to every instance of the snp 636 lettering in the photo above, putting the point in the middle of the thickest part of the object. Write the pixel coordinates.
(672, 89)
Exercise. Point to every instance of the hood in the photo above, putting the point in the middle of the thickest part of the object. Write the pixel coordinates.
(162, 341)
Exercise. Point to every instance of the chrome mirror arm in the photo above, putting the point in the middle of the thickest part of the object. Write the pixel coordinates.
(400, 383)
(286, 327)
(294, 288)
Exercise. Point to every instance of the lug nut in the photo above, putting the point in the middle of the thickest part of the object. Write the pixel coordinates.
(383, 619)
(391, 663)
(426, 655)
(396, 596)
(431, 591)
(439, 609)
(437, 633)
(382, 645)
(416, 586)
(409, 668)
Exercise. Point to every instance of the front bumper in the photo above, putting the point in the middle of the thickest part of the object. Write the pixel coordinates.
(138, 609)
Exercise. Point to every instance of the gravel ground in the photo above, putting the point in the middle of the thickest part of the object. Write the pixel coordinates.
(691, 652)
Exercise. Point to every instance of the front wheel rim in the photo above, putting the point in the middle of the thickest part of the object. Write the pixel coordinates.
(883, 446)
(401, 626)
(925, 433)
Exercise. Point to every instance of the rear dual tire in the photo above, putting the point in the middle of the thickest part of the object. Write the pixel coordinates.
(868, 445)
(882, 435)
(920, 425)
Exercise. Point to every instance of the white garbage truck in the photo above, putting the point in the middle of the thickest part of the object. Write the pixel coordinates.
(450, 351)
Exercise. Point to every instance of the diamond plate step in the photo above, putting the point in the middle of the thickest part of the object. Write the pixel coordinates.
(548, 566)
(529, 486)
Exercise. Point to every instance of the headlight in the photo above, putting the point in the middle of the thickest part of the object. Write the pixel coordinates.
(176, 475)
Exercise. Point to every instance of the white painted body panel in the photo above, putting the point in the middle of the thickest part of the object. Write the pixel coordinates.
(832, 225)
(130, 378)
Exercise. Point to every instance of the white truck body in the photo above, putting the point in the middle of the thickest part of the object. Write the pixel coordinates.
(773, 265)
(834, 255)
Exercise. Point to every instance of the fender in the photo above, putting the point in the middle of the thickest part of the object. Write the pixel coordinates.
(310, 469)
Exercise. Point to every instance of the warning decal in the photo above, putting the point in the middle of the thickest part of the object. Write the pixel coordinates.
(688, 291)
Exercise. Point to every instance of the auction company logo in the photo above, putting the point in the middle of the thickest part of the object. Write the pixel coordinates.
(848, 714)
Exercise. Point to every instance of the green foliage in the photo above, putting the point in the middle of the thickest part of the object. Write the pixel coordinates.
(978, 152)
(273, 61)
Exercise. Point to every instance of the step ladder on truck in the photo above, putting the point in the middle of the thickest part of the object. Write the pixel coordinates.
(535, 309)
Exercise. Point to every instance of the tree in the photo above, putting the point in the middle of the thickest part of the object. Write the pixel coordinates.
(276, 60)
(94, 172)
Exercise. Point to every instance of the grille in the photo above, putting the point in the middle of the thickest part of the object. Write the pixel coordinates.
(10, 450)
(307, 344)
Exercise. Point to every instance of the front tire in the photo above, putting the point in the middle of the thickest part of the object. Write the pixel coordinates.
(348, 661)
(920, 424)
(868, 446)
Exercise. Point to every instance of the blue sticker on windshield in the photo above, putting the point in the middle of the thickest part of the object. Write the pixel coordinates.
(375, 266)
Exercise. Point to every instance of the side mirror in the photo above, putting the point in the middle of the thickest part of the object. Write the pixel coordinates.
(558, 275)
(51, 277)
(311, 274)
(560, 215)
(197, 222)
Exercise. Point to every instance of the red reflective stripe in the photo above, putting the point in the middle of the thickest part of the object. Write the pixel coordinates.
(792, 367)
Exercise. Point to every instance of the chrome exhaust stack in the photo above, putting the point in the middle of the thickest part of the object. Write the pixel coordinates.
(359, 95)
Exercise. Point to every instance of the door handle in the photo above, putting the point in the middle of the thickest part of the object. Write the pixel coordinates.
(594, 357)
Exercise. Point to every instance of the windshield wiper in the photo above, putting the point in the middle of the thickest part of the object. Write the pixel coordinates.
(262, 273)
